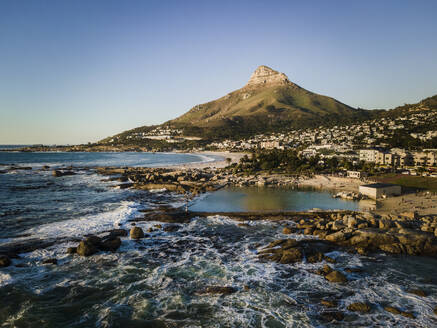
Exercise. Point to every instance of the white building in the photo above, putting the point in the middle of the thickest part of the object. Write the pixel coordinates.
(380, 190)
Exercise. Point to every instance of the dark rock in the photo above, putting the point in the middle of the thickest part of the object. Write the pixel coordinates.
(318, 257)
(359, 307)
(59, 173)
(118, 233)
(324, 271)
(71, 250)
(94, 240)
(136, 233)
(125, 185)
(328, 303)
(222, 290)
(336, 276)
(86, 248)
(329, 316)
(392, 310)
(408, 315)
(4, 261)
(111, 244)
(417, 292)
(291, 255)
(171, 228)
(353, 270)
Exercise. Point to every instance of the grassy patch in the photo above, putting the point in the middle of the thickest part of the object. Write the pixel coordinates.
(408, 181)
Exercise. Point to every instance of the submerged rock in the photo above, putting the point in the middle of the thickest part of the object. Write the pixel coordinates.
(392, 310)
(4, 261)
(218, 290)
(329, 316)
(136, 233)
(328, 303)
(359, 307)
(417, 292)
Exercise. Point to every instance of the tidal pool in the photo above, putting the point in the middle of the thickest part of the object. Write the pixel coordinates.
(246, 199)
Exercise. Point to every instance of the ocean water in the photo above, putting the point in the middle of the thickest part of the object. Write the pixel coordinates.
(155, 282)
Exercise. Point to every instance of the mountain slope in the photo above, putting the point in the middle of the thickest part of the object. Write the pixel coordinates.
(268, 101)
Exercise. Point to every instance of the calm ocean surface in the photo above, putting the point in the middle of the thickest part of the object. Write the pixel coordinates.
(153, 282)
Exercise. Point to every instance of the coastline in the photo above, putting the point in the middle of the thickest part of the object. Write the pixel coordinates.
(217, 162)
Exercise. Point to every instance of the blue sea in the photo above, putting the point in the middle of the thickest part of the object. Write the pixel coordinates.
(154, 282)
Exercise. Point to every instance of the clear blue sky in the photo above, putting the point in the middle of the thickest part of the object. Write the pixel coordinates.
(73, 71)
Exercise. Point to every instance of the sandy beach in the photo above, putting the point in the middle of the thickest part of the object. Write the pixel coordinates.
(216, 164)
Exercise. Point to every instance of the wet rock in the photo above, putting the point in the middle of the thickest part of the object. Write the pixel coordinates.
(95, 240)
(417, 292)
(291, 255)
(325, 270)
(71, 250)
(353, 270)
(218, 290)
(329, 316)
(359, 307)
(329, 259)
(86, 248)
(50, 261)
(171, 228)
(361, 250)
(4, 261)
(336, 237)
(118, 233)
(287, 230)
(392, 310)
(318, 257)
(435, 310)
(408, 315)
(136, 233)
(328, 303)
(336, 276)
(61, 173)
(111, 244)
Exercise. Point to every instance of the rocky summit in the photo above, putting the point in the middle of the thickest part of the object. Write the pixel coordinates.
(264, 75)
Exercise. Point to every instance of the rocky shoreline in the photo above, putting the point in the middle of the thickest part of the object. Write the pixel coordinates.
(312, 237)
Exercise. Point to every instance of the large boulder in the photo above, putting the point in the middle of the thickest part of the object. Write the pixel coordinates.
(86, 248)
(136, 233)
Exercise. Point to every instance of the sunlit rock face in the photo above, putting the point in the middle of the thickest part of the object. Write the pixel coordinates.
(264, 75)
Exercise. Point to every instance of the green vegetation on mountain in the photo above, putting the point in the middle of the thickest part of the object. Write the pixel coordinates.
(268, 102)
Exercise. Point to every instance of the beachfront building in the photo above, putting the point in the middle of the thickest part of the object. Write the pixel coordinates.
(356, 174)
(380, 190)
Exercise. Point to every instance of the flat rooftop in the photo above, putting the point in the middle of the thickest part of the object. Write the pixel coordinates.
(379, 185)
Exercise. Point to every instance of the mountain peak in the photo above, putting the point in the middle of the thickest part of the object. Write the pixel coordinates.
(264, 75)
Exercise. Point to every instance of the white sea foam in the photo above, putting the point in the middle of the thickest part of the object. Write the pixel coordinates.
(90, 224)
